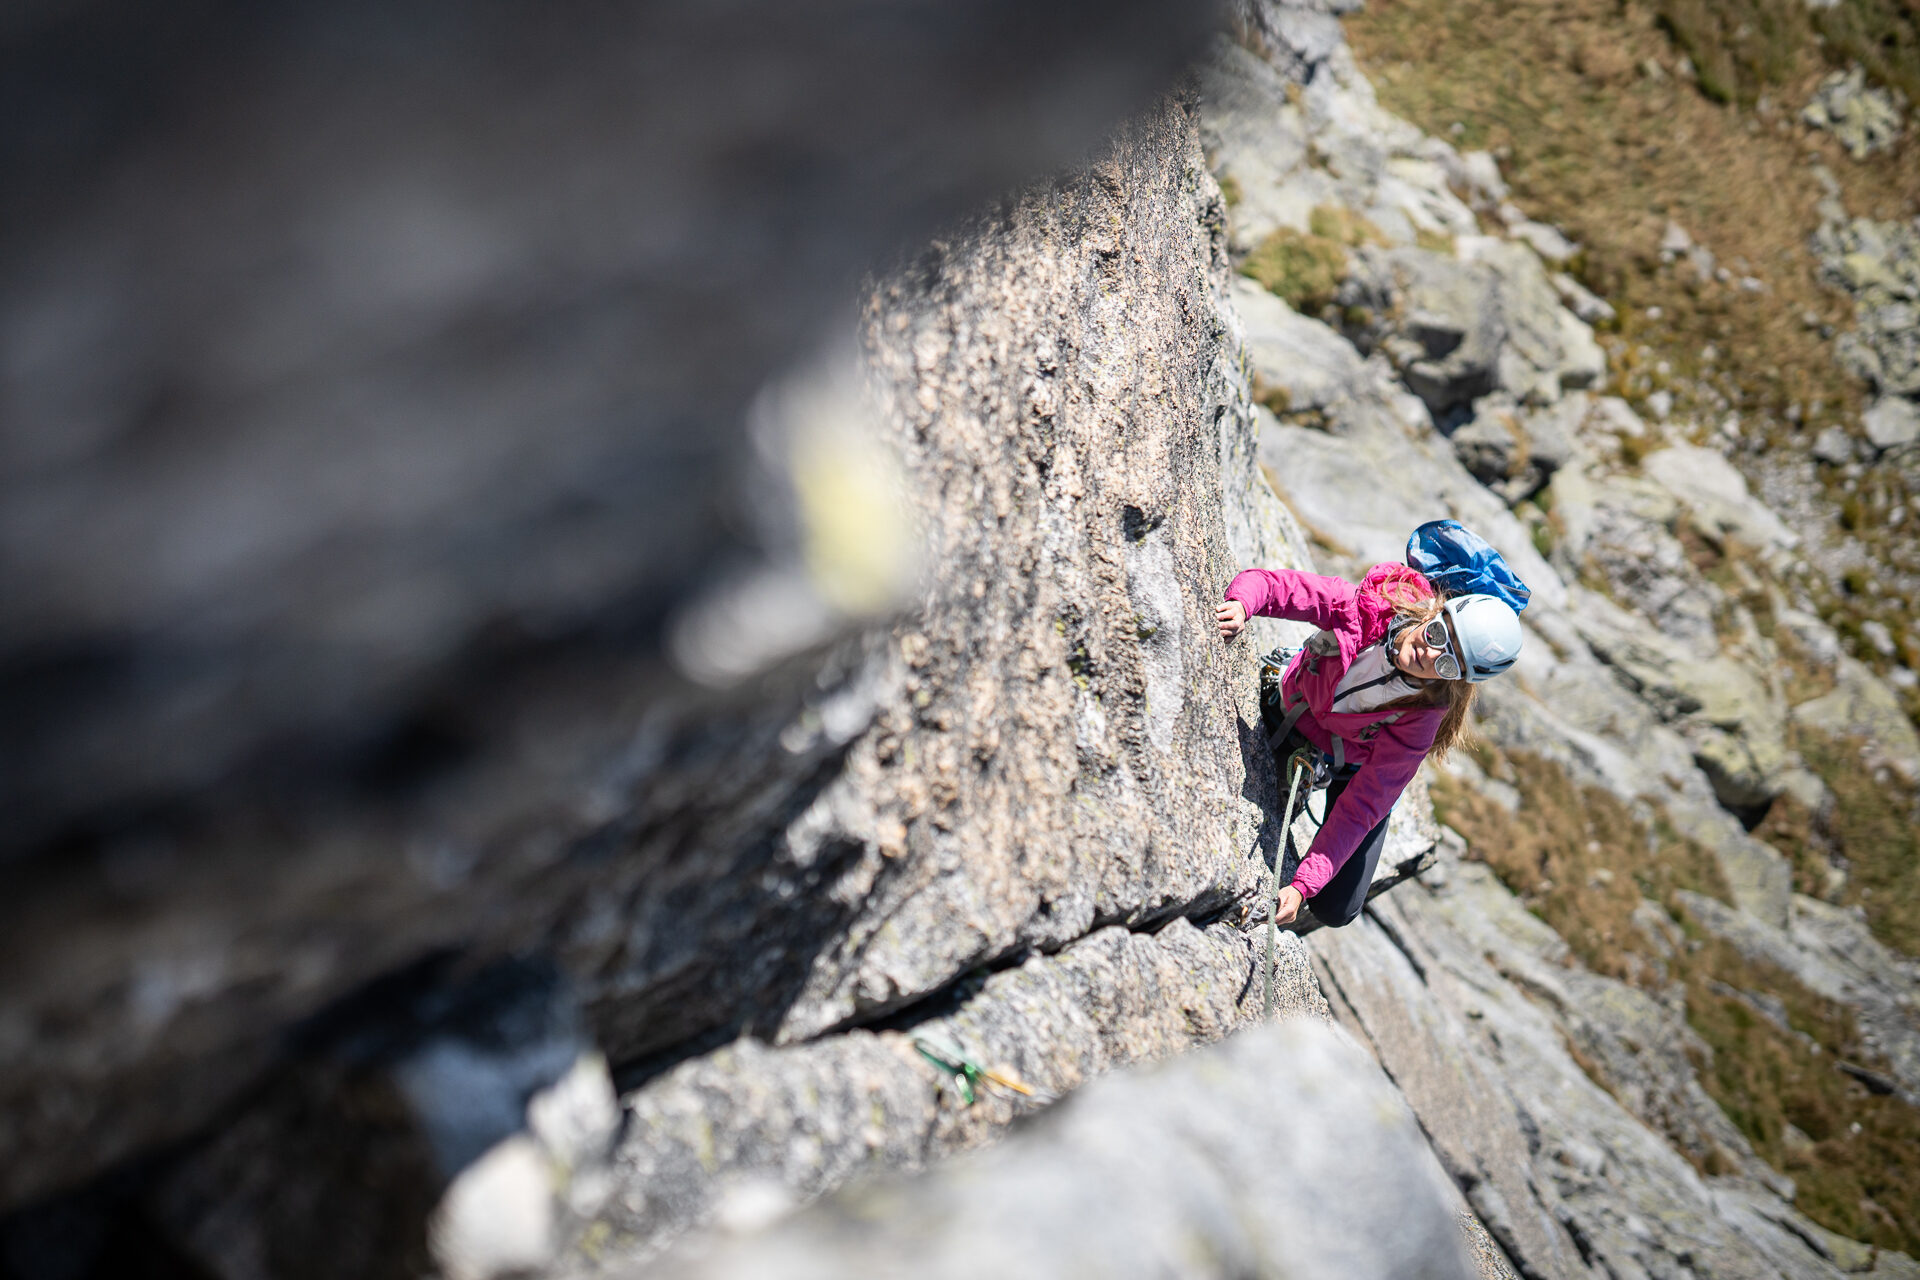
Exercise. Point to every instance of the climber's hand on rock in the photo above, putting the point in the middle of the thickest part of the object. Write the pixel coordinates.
(1232, 616)
(1288, 906)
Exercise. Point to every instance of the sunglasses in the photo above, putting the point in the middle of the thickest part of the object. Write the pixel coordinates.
(1446, 666)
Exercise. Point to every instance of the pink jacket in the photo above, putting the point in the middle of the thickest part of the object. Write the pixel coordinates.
(1389, 754)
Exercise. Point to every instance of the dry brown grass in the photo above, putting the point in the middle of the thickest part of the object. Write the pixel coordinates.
(1603, 134)
(1853, 1170)
(1873, 830)
(1609, 150)
(1580, 860)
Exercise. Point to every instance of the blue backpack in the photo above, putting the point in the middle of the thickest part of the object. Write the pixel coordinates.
(1460, 562)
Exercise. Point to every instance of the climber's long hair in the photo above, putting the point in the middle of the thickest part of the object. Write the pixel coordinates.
(1456, 728)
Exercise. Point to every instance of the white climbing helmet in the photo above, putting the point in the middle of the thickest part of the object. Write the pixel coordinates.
(1489, 634)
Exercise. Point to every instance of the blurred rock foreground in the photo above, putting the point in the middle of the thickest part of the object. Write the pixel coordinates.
(402, 405)
(487, 791)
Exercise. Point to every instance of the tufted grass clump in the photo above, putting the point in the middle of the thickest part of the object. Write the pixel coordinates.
(1343, 226)
(1738, 47)
(1874, 830)
(1881, 35)
(1304, 269)
(1581, 860)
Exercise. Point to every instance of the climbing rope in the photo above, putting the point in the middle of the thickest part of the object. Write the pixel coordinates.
(1298, 766)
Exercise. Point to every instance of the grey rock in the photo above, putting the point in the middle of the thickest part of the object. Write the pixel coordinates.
(1814, 638)
(1891, 423)
(1865, 120)
(1259, 140)
(1861, 706)
(1453, 321)
(1894, 1265)
(1300, 356)
(1620, 528)
(1175, 1172)
(1558, 350)
(511, 1211)
(1578, 299)
(1833, 446)
(1545, 241)
(1287, 115)
(807, 1118)
(497, 1219)
(1878, 264)
(1479, 173)
(1747, 769)
(1457, 328)
(1512, 450)
(1489, 446)
(1717, 496)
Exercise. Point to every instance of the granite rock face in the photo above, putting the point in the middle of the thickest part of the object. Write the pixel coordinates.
(376, 405)
(1061, 769)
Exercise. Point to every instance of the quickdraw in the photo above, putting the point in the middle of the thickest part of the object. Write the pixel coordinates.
(965, 1072)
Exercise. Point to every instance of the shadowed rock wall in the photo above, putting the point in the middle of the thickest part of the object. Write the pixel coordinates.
(375, 393)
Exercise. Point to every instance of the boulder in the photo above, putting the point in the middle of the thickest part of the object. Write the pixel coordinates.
(1861, 706)
(1578, 299)
(1863, 119)
(1833, 446)
(1460, 327)
(1892, 423)
(1515, 451)
(1441, 322)
(1175, 1171)
(1717, 496)
(1306, 361)
(1747, 768)
(1549, 348)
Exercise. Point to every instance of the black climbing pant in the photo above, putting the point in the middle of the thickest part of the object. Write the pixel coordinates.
(1340, 901)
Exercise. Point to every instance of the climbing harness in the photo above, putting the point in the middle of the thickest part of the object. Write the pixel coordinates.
(1280, 714)
(965, 1072)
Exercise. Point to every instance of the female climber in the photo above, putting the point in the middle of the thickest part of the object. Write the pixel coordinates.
(1387, 681)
